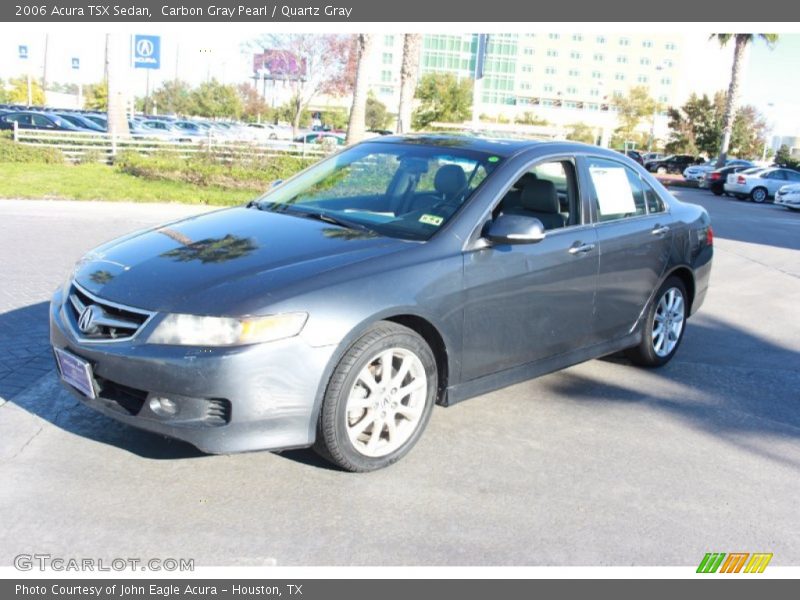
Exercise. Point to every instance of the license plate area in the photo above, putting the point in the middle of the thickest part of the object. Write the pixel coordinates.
(76, 372)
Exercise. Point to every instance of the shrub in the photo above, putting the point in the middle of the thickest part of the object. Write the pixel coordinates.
(209, 169)
(11, 152)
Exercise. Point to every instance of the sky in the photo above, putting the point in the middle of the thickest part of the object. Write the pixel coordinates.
(197, 51)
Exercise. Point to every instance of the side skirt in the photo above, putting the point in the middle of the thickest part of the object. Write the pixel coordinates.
(495, 381)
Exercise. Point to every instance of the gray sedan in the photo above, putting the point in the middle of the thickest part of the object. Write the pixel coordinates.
(338, 308)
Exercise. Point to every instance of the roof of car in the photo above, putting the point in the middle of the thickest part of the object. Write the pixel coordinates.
(499, 146)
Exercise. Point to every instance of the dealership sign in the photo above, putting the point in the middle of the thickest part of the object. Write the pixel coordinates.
(147, 52)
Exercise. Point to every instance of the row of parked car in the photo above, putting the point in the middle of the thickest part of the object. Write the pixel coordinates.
(159, 126)
(745, 180)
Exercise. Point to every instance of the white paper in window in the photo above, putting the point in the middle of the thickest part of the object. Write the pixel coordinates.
(614, 194)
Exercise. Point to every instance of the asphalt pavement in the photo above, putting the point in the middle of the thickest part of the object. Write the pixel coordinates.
(599, 464)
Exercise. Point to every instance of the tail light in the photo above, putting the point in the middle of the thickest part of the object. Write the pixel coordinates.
(741, 179)
(715, 176)
(709, 236)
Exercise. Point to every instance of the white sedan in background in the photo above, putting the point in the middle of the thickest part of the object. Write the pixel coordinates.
(761, 184)
(789, 196)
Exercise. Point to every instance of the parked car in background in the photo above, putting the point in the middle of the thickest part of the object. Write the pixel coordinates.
(319, 137)
(337, 309)
(81, 121)
(760, 185)
(715, 180)
(635, 156)
(651, 156)
(696, 172)
(37, 120)
(674, 163)
(788, 196)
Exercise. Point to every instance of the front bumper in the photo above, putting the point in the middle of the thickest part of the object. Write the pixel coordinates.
(790, 200)
(259, 397)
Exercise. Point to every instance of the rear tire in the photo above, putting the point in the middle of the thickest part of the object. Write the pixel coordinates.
(716, 191)
(369, 420)
(664, 325)
(759, 195)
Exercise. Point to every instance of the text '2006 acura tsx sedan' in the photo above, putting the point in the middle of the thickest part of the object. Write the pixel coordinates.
(338, 308)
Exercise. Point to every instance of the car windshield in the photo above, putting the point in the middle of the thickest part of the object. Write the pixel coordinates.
(407, 191)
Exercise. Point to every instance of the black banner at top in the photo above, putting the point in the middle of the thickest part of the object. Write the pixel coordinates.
(462, 11)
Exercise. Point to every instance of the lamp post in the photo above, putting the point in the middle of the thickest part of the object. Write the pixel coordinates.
(770, 106)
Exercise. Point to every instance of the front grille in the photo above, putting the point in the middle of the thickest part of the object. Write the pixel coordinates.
(108, 322)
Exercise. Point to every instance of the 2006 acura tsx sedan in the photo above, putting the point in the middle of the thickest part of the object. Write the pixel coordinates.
(338, 308)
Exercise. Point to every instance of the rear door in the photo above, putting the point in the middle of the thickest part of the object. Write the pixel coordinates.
(634, 238)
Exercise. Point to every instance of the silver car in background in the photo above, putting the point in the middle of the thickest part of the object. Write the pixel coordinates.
(789, 196)
(758, 184)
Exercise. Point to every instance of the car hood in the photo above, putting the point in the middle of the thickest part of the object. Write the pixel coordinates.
(219, 262)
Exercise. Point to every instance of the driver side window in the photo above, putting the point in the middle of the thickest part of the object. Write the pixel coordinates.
(547, 191)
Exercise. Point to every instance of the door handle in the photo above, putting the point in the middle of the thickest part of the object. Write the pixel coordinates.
(660, 230)
(581, 249)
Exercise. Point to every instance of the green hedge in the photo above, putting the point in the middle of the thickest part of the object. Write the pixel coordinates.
(11, 152)
(208, 170)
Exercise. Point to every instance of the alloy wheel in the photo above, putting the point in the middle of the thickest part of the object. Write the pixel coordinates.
(668, 322)
(386, 402)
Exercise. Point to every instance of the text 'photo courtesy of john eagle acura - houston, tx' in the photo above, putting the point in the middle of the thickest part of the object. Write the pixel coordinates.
(335, 310)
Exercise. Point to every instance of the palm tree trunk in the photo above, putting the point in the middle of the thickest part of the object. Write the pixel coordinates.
(739, 51)
(357, 124)
(409, 73)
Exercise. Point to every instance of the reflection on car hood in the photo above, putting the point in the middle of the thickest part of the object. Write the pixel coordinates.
(216, 262)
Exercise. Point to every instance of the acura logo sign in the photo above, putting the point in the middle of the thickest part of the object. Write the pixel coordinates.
(87, 318)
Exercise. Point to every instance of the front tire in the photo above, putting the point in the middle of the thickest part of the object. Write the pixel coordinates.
(379, 399)
(664, 326)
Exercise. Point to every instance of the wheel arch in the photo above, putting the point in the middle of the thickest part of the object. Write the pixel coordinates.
(685, 274)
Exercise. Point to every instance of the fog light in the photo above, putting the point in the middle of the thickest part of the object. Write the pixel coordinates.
(163, 407)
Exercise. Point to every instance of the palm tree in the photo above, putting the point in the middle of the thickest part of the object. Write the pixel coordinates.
(741, 42)
(409, 73)
(358, 112)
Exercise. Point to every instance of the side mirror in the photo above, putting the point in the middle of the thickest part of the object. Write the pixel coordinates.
(515, 229)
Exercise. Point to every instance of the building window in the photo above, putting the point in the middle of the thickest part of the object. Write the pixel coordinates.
(574, 73)
(527, 68)
(551, 52)
(524, 85)
(547, 87)
(601, 39)
(623, 60)
(387, 58)
(624, 42)
(386, 91)
(530, 36)
(647, 44)
(641, 79)
(666, 81)
(553, 36)
(386, 76)
(388, 40)
(596, 74)
(527, 51)
(644, 62)
(575, 55)
(668, 64)
(577, 37)
(550, 70)
(619, 77)
(571, 104)
(670, 46)
(594, 92)
(598, 57)
(663, 99)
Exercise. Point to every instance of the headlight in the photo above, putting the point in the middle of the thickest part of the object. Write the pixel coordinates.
(191, 330)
